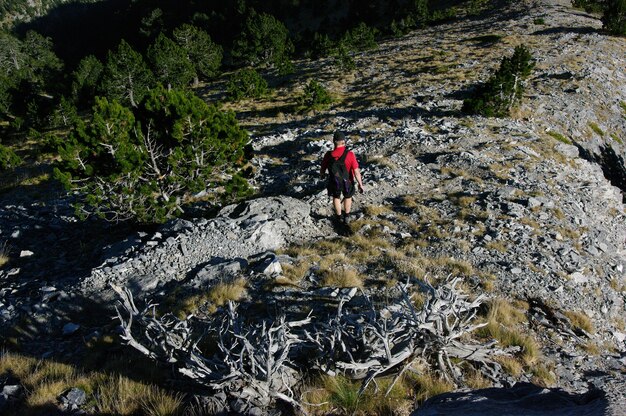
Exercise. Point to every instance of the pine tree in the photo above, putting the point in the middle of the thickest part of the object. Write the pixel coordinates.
(147, 163)
(204, 54)
(126, 75)
(85, 80)
(265, 42)
(171, 63)
(614, 18)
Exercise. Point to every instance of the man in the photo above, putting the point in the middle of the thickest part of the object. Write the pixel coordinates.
(343, 170)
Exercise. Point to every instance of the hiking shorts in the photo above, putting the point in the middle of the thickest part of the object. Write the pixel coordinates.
(347, 192)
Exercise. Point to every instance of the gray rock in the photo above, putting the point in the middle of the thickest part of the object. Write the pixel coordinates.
(523, 399)
(218, 269)
(72, 399)
(12, 391)
(70, 328)
(26, 253)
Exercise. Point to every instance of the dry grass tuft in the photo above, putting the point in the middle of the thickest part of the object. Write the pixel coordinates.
(511, 365)
(45, 380)
(503, 324)
(294, 273)
(591, 348)
(223, 292)
(543, 375)
(376, 210)
(475, 380)
(497, 245)
(341, 278)
(427, 385)
(580, 320)
(4, 255)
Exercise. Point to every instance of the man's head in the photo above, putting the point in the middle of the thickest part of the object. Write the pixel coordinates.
(339, 139)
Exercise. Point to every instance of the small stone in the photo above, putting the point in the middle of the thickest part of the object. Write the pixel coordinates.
(73, 399)
(13, 390)
(619, 336)
(516, 270)
(70, 328)
(533, 202)
(15, 234)
(26, 253)
(579, 278)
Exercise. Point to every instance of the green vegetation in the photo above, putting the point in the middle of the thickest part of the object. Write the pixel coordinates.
(559, 137)
(614, 18)
(170, 63)
(504, 89)
(590, 6)
(315, 96)
(264, 42)
(246, 83)
(108, 393)
(147, 164)
(8, 158)
(204, 54)
(127, 77)
(360, 38)
(596, 129)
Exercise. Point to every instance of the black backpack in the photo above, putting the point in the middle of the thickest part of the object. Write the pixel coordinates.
(339, 176)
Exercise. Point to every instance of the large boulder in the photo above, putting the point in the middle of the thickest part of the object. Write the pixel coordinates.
(523, 399)
(195, 249)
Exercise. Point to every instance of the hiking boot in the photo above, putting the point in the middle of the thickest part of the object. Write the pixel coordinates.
(337, 219)
(345, 219)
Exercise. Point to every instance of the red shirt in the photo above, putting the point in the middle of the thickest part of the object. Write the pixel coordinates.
(351, 163)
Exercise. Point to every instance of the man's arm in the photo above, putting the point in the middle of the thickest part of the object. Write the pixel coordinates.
(359, 181)
(324, 166)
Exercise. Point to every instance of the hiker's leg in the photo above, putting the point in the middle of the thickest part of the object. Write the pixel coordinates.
(347, 205)
(337, 205)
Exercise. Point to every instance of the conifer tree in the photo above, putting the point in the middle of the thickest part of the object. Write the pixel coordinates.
(204, 54)
(126, 75)
(614, 18)
(171, 64)
(264, 42)
(147, 163)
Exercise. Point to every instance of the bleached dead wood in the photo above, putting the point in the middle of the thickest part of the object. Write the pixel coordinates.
(364, 345)
(253, 366)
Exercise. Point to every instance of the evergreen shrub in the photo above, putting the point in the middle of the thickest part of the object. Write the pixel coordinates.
(504, 89)
(246, 83)
(147, 163)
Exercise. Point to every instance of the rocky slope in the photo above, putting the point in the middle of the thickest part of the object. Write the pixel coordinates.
(517, 213)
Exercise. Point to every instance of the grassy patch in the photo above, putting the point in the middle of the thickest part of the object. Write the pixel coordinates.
(511, 365)
(591, 348)
(580, 320)
(543, 375)
(341, 278)
(427, 385)
(381, 161)
(4, 255)
(617, 139)
(504, 325)
(331, 394)
(559, 137)
(497, 245)
(45, 380)
(294, 273)
(596, 129)
(376, 210)
(223, 292)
